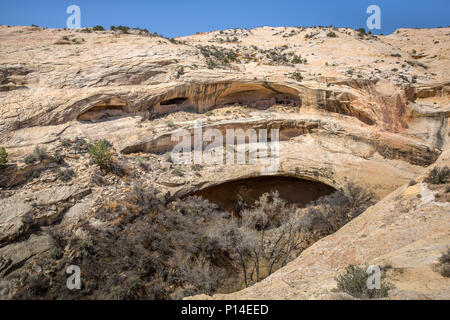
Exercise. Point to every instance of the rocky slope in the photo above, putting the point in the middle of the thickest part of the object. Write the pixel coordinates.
(349, 106)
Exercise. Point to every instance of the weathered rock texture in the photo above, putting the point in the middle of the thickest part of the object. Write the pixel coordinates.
(371, 109)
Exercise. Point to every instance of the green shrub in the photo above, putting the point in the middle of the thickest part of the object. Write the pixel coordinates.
(354, 282)
(297, 76)
(141, 162)
(101, 153)
(98, 28)
(331, 34)
(438, 175)
(80, 145)
(29, 159)
(65, 175)
(170, 123)
(35, 174)
(361, 32)
(196, 167)
(443, 265)
(3, 157)
(58, 157)
(177, 171)
(123, 29)
(39, 153)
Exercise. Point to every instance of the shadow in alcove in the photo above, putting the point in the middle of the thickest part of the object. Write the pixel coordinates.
(230, 195)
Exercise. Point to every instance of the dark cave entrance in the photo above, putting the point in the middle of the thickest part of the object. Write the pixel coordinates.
(229, 195)
(173, 101)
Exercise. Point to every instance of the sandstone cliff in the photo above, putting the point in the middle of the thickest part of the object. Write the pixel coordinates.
(363, 108)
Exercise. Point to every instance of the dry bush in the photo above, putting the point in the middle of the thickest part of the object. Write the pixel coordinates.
(443, 265)
(354, 282)
(438, 175)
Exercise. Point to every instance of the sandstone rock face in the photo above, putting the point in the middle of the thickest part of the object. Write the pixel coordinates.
(21, 211)
(364, 109)
(403, 234)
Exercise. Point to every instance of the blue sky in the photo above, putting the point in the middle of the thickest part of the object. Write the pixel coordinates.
(177, 17)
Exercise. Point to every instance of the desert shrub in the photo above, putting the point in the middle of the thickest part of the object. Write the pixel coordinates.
(329, 213)
(29, 159)
(170, 123)
(331, 34)
(132, 289)
(101, 154)
(297, 76)
(58, 157)
(80, 145)
(217, 56)
(3, 157)
(40, 154)
(438, 175)
(359, 199)
(65, 143)
(65, 174)
(177, 171)
(98, 28)
(354, 282)
(141, 162)
(37, 285)
(123, 29)
(196, 167)
(443, 265)
(164, 244)
(297, 59)
(412, 183)
(361, 32)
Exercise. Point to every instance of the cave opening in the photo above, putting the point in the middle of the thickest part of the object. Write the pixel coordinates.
(173, 101)
(235, 195)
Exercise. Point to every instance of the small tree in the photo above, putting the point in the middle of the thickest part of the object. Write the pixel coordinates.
(101, 153)
(3, 157)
